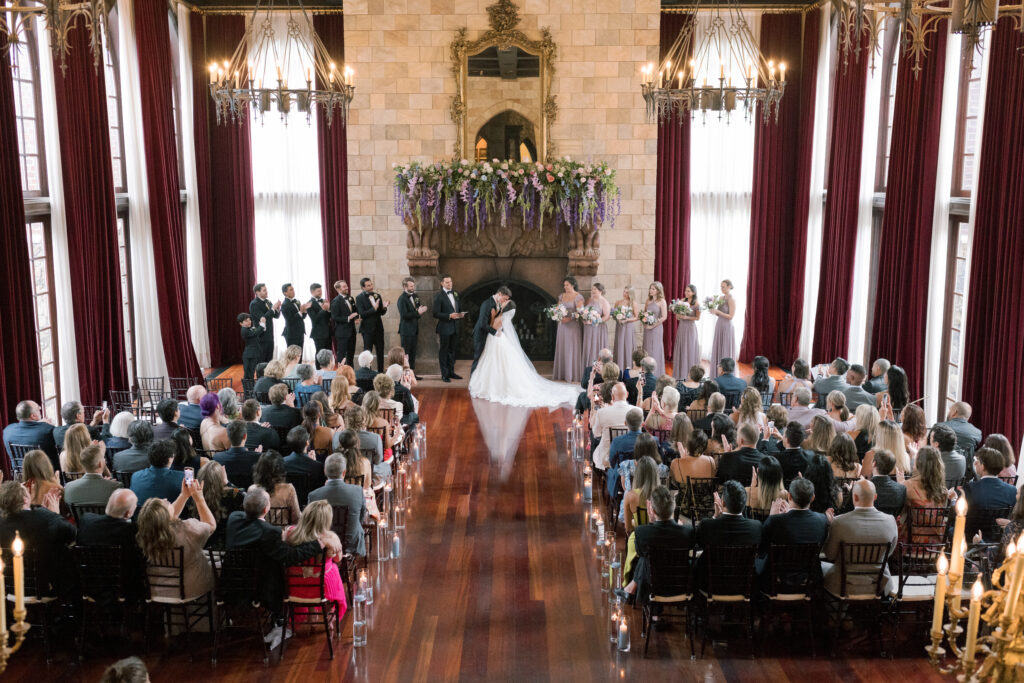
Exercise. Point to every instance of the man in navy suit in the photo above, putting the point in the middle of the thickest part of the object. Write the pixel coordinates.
(987, 492)
(738, 464)
(372, 309)
(189, 414)
(31, 430)
(344, 316)
(294, 332)
(727, 527)
(797, 526)
(729, 384)
(794, 460)
(237, 460)
(622, 448)
(662, 533)
(301, 462)
(260, 307)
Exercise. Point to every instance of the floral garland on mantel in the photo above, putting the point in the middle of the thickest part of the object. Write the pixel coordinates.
(466, 195)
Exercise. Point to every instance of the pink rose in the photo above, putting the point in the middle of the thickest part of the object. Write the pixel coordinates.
(551, 178)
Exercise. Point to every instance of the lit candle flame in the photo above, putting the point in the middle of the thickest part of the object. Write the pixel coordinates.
(976, 590)
(961, 507)
(943, 564)
(18, 547)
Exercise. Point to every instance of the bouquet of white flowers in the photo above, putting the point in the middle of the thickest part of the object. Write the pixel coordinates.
(590, 316)
(649, 318)
(557, 312)
(713, 303)
(623, 312)
(681, 307)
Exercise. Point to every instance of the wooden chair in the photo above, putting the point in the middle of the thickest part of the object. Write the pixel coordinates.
(916, 572)
(101, 581)
(180, 385)
(670, 572)
(1012, 481)
(65, 477)
(89, 412)
(760, 514)
(248, 388)
(732, 400)
(238, 578)
(792, 579)
(766, 400)
(928, 522)
(17, 457)
(615, 432)
(123, 401)
(213, 385)
(280, 516)
(40, 606)
(125, 478)
(165, 583)
(292, 382)
(79, 510)
(355, 479)
(730, 586)
(325, 385)
(300, 580)
(388, 414)
(984, 520)
(339, 525)
(786, 399)
(702, 497)
(868, 561)
(662, 435)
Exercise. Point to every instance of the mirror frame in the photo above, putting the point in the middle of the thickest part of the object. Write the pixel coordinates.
(503, 34)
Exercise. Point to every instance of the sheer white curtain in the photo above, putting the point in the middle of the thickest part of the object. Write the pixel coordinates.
(815, 214)
(721, 177)
(149, 351)
(286, 188)
(67, 348)
(193, 238)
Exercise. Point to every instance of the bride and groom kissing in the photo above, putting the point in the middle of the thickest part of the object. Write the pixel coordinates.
(448, 312)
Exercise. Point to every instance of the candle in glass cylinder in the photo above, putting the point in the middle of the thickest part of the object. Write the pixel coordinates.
(18, 548)
(940, 594)
(972, 620)
(623, 635)
(588, 490)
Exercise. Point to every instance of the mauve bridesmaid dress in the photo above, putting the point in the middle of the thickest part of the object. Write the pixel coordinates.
(724, 345)
(595, 338)
(686, 351)
(625, 342)
(654, 341)
(569, 347)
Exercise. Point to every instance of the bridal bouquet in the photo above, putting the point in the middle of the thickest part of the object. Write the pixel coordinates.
(681, 307)
(590, 316)
(558, 312)
(713, 303)
(621, 313)
(649, 318)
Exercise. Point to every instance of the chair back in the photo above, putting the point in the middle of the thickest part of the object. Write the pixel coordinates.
(615, 432)
(388, 414)
(65, 477)
(148, 384)
(915, 559)
(670, 571)
(730, 570)
(641, 515)
(125, 478)
(18, 453)
(292, 382)
(100, 571)
(215, 385)
(179, 386)
(929, 522)
(786, 399)
(280, 516)
(732, 400)
(984, 520)
(368, 453)
(34, 583)
(165, 574)
(302, 398)
(866, 560)
(306, 575)
(760, 514)
(325, 385)
(702, 497)
(662, 435)
(382, 432)
(356, 480)
(78, 510)
(793, 569)
(248, 386)
(339, 523)
(302, 486)
(1012, 481)
(90, 411)
(123, 401)
(239, 576)
(766, 400)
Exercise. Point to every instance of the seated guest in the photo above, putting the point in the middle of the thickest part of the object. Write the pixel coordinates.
(968, 437)
(73, 413)
(914, 426)
(292, 359)
(221, 497)
(212, 431)
(877, 382)
(355, 420)
(622, 446)
(270, 475)
(739, 464)
(38, 476)
(43, 532)
(281, 413)
(715, 405)
(771, 436)
(376, 422)
(766, 487)
(257, 434)
(827, 494)
(987, 492)
(315, 526)
(645, 445)
(800, 410)
(820, 435)
(190, 414)
(385, 388)
(603, 372)
(168, 411)
(749, 410)
(760, 379)
(328, 417)
(943, 439)
(229, 409)
(312, 418)
(341, 398)
(595, 371)
(116, 528)
(397, 356)
(184, 451)
(140, 435)
(273, 374)
(664, 408)
(127, 670)
(662, 383)
(727, 527)
(402, 394)
(612, 415)
(680, 433)
(796, 525)
(91, 488)
(336, 492)
(896, 395)
(799, 376)
(842, 454)
(889, 437)
(793, 459)
(238, 460)
(161, 531)
(365, 373)
(692, 462)
(661, 533)
(723, 434)
(116, 434)
(1002, 444)
(31, 430)
(927, 489)
(358, 465)
(891, 496)
(866, 420)
(864, 524)
(834, 380)
(325, 361)
(302, 461)
(835, 407)
(76, 440)
(158, 480)
(689, 388)
(708, 388)
(856, 394)
(728, 383)
(248, 529)
(308, 384)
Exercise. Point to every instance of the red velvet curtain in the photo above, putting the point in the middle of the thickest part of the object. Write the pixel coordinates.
(19, 355)
(839, 228)
(994, 346)
(905, 251)
(781, 192)
(91, 220)
(672, 203)
(224, 170)
(168, 226)
(332, 150)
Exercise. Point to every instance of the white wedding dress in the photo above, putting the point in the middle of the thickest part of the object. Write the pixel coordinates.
(506, 375)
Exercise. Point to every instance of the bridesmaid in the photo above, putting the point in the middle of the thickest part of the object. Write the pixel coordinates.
(625, 335)
(654, 335)
(568, 342)
(724, 345)
(686, 352)
(595, 337)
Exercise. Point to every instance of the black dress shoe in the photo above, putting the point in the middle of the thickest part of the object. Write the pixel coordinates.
(418, 378)
(445, 379)
(454, 376)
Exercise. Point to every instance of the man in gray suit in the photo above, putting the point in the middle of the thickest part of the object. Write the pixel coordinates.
(92, 488)
(968, 437)
(864, 524)
(877, 382)
(834, 381)
(136, 458)
(856, 396)
(337, 492)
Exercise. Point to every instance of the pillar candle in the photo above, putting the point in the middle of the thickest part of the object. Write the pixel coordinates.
(972, 621)
(18, 547)
(1017, 580)
(940, 595)
(3, 598)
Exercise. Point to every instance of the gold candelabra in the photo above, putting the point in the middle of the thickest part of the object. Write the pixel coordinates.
(19, 628)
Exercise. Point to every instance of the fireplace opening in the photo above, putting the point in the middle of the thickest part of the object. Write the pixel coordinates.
(536, 332)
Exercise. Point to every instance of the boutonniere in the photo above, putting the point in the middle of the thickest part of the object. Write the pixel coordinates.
(455, 294)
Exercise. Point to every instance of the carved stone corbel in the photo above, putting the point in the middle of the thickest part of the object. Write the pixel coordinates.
(421, 248)
(585, 250)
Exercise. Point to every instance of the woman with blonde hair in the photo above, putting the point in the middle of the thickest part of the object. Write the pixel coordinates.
(160, 532)
(724, 344)
(837, 410)
(327, 416)
(341, 398)
(888, 436)
(292, 359)
(272, 374)
(625, 329)
(315, 525)
(76, 440)
(372, 406)
(842, 455)
(766, 485)
(635, 500)
(654, 334)
(821, 436)
(663, 411)
(221, 497)
(866, 421)
(750, 409)
(38, 476)
(686, 352)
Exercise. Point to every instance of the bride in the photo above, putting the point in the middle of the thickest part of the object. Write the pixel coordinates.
(506, 375)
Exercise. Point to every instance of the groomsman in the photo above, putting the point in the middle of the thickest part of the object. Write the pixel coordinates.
(372, 308)
(446, 310)
(294, 317)
(410, 310)
(320, 317)
(345, 317)
(252, 336)
(260, 307)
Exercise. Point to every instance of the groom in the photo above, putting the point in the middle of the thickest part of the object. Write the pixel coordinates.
(494, 304)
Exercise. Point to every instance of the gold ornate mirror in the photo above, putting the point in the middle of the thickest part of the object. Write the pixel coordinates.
(503, 107)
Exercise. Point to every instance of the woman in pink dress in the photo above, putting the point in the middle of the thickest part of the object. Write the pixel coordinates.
(625, 330)
(315, 525)
(724, 344)
(654, 335)
(595, 337)
(569, 340)
(686, 352)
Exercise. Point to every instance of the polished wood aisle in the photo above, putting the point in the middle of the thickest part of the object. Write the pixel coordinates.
(497, 581)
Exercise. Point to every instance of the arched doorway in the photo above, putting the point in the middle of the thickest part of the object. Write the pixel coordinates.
(536, 332)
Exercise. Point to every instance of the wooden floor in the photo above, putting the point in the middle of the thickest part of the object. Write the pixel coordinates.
(498, 581)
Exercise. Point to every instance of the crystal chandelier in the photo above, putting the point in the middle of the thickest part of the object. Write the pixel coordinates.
(718, 70)
(258, 73)
(61, 17)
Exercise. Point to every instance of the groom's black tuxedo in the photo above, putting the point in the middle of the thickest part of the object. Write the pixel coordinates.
(483, 328)
(447, 330)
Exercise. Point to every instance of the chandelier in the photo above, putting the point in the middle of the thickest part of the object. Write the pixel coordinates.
(283, 73)
(61, 18)
(721, 69)
(860, 19)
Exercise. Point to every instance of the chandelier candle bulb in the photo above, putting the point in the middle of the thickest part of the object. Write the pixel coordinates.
(956, 563)
(940, 594)
(1017, 579)
(782, 70)
(18, 549)
(972, 621)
